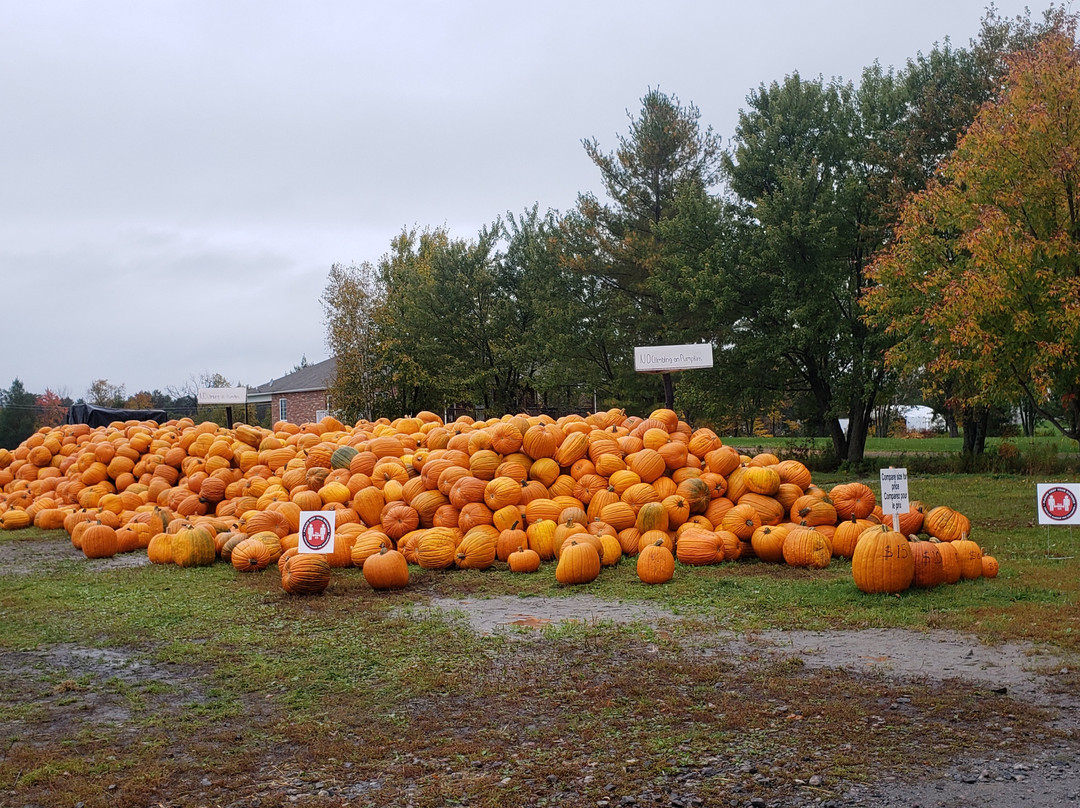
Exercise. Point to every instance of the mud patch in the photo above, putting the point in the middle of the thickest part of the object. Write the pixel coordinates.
(63, 690)
(508, 613)
(1018, 669)
(26, 556)
(1045, 773)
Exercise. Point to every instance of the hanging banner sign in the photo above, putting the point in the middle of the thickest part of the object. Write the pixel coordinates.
(316, 532)
(666, 358)
(1058, 503)
(222, 395)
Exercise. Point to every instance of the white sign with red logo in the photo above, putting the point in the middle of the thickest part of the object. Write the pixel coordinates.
(1059, 503)
(316, 532)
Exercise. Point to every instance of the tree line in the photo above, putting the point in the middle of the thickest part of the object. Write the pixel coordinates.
(839, 253)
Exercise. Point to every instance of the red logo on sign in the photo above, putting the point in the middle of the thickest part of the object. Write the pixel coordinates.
(1059, 504)
(316, 532)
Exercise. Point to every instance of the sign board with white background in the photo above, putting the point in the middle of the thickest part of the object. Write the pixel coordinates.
(894, 493)
(222, 395)
(316, 532)
(667, 358)
(1058, 503)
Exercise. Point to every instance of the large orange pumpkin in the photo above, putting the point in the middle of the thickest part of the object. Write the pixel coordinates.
(579, 563)
(882, 562)
(386, 569)
(655, 564)
(305, 574)
(947, 524)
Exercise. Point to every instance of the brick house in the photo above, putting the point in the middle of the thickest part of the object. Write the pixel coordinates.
(300, 397)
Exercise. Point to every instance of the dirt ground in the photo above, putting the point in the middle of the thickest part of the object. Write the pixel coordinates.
(1047, 774)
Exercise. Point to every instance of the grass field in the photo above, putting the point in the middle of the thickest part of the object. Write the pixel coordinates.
(149, 685)
(1052, 444)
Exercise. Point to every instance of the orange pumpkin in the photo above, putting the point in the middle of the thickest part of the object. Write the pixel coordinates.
(655, 564)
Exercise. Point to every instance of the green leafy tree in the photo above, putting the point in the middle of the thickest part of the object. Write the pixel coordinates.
(18, 417)
(350, 299)
(426, 364)
(982, 286)
(798, 169)
(616, 242)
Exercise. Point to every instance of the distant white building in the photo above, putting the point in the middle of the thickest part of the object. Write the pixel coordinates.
(918, 418)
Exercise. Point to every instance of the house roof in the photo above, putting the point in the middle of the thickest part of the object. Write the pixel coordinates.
(306, 379)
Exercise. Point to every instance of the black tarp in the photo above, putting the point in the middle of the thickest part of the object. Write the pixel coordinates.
(103, 416)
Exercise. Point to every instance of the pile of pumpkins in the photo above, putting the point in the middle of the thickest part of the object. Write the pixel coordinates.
(581, 492)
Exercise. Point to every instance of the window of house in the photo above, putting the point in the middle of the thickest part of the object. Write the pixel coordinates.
(283, 414)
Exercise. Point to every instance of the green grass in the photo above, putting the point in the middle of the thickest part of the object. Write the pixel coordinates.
(934, 445)
(252, 689)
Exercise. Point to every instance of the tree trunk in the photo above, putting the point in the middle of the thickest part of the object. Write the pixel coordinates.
(975, 422)
(839, 439)
(669, 392)
(1027, 417)
(858, 429)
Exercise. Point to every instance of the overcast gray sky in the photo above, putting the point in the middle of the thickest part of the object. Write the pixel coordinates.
(176, 178)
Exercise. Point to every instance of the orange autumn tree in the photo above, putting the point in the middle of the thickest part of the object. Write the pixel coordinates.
(981, 286)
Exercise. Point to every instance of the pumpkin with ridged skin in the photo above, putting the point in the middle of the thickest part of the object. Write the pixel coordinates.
(768, 542)
(305, 574)
(342, 457)
(579, 563)
(15, 519)
(761, 480)
(271, 540)
(769, 510)
(912, 521)
(368, 544)
(99, 541)
(698, 547)
(947, 524)
(159, 551)
(989, 567)
(852, 499)
(436, 548)
(193, 546)
(655, 564)
(969, 556)
(510, 540)
(882, 562)
(541, 535)
(929, 568)
(650, 537)
(386, 569)
(611, 550)
(806, 547)
(678, 510)
(250, 555)
(847, 536)
(476, 551)
(397, 519)
(523, 559)
(742, 520)
(950, 564)
(813, 510)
